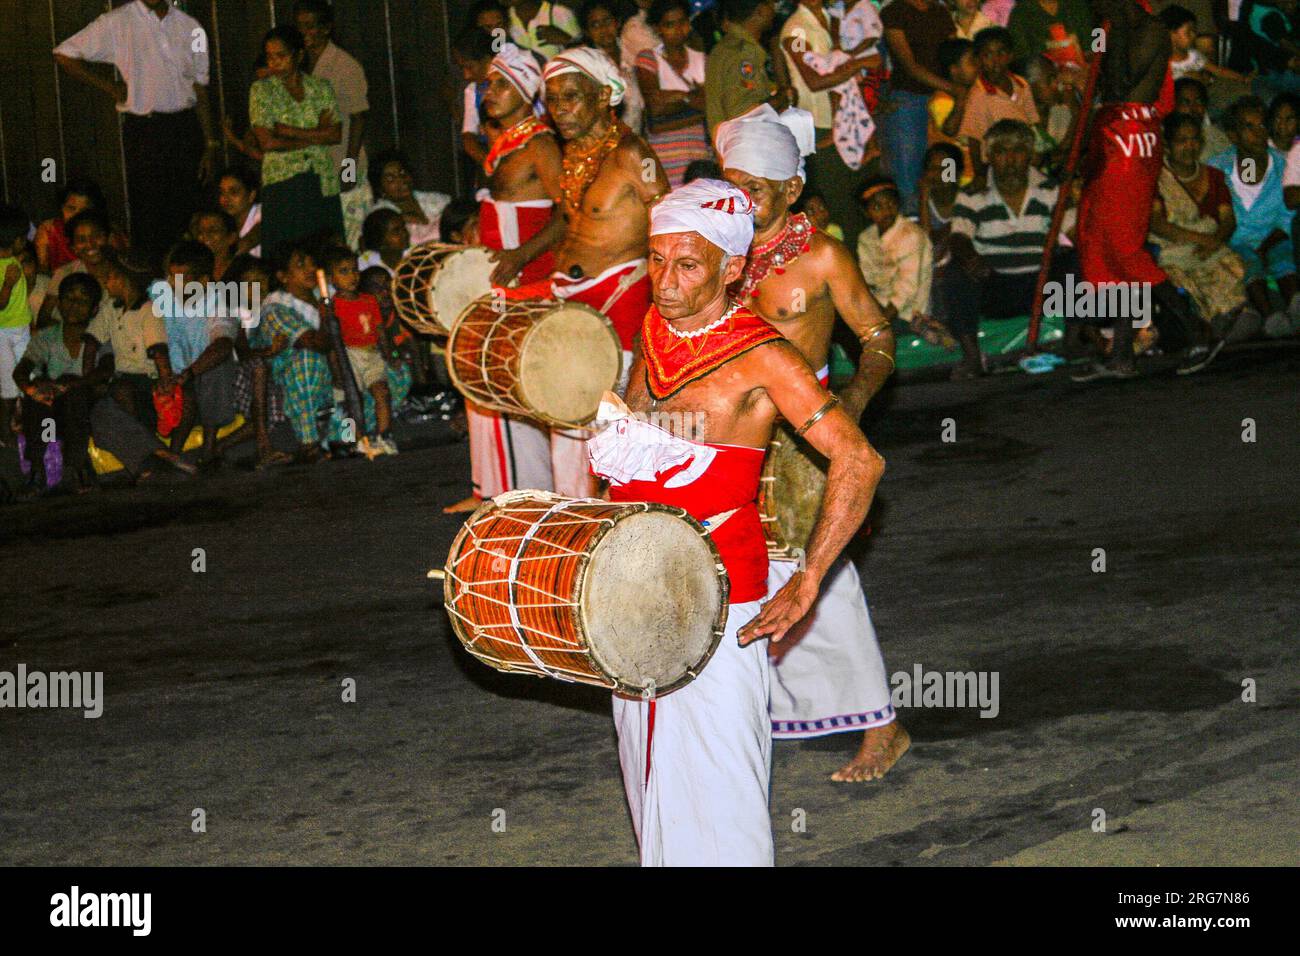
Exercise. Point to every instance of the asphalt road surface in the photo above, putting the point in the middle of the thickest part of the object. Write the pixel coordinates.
(1120, 692)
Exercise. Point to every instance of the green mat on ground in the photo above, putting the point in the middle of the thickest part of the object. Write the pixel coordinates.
(997, 337)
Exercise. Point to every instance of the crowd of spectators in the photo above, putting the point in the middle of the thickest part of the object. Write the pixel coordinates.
(942, 132)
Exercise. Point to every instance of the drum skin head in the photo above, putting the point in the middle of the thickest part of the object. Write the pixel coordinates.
(570, 358)
(796, 493)
(464, 275)
(653, 601)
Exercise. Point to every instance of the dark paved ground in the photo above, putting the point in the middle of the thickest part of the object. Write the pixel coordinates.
(1119, 691)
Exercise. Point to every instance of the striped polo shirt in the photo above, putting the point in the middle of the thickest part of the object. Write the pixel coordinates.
(1008, 242)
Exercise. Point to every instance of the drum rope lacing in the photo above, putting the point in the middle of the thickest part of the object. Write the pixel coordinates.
(518, 627)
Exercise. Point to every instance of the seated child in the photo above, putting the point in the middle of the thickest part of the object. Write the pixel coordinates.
(257, 398)
(998, 93)
(124, 421)
(1185, 59)
(50, 377)
(200, 348)
(362, 326)
(897, 262)
(216, 229)
(384, 239)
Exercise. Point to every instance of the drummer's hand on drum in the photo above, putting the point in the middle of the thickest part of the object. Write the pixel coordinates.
(786, 609)
(509, 262)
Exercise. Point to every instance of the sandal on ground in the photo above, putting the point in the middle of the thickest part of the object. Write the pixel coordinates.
(933, 332)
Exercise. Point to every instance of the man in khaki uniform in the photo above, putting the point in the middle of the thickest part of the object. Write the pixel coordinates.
(739, 74)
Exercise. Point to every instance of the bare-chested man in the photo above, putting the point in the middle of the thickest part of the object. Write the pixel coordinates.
(831, 678)
(516, 219)
(696, 763)
(610, 178)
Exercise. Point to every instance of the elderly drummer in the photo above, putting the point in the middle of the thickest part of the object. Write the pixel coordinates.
(832, 679)
(696, 763)
(609, 179)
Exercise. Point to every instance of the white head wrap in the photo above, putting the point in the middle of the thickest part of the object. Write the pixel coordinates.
(720, 212)
(593, 64)
(766, 143)
(520, 68)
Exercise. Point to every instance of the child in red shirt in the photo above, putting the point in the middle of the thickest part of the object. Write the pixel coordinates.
(362, 325)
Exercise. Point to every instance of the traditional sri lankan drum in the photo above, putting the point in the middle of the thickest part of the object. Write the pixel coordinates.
(790, 493)
(542, 359)
(629, 596)
(434, 283)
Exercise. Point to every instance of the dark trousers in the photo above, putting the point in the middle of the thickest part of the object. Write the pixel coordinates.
(124, 422)
(71, 415)
(162, 154)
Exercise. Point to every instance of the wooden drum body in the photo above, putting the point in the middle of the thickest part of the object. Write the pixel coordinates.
(790, 493)
(626, 596)
(436, 281)
(538, 358)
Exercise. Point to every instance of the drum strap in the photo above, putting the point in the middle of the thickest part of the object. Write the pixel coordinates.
(624, 283)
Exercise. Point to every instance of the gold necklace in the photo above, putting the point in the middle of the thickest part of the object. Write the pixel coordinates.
(581, 164)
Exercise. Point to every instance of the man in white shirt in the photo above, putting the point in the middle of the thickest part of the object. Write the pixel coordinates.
(168, 138)
(315, 21)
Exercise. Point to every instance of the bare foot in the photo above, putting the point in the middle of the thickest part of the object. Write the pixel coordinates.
(880, 750)
(465, 504)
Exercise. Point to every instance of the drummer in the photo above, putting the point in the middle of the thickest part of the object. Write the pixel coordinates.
(609, 179)
(831, 678)
(515, 218)
(696, 763)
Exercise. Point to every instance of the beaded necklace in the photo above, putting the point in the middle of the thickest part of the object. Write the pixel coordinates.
(776, 254)
(581, 165)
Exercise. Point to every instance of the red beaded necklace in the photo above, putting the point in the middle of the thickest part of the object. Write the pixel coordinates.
(776, 254)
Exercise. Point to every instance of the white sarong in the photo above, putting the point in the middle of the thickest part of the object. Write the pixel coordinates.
(834, 678)
(705, 803)
(506, 453)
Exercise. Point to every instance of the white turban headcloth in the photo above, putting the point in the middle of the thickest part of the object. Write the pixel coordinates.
(720, 212)
(593, 64)
(766, 143)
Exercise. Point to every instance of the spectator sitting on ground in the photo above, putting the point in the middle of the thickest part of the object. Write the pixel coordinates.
(384, 239)
(897, 261)
(49, 376)
(1264, 44)
(401, 357)
(1191, 223)
(53, 242)
(89, 231)
(997, 94)
(1191, 96)
(957, 61)
(290, 332)
(216, 229)
(813, 204)
(200, 347)
(237, 195)
(257, 398)
(124, 422)
(999, 232)
(1283, 121)
(392, 184)
(15, 316)
(1253, 170)
(460, 222)
(362, 326)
